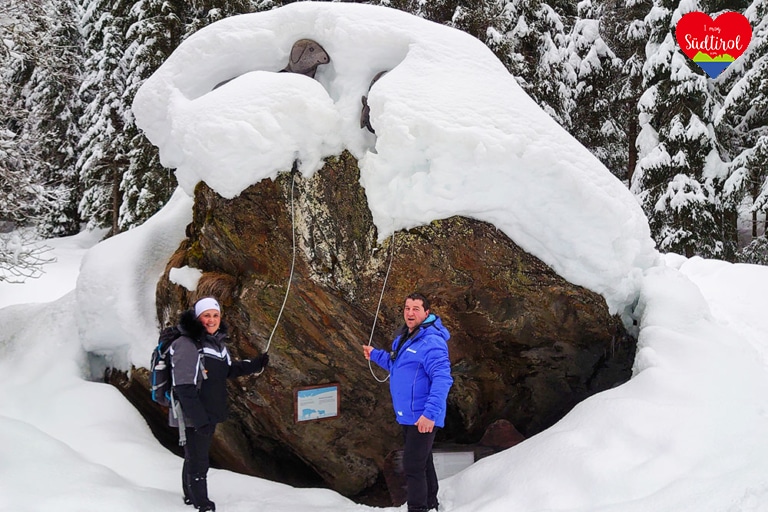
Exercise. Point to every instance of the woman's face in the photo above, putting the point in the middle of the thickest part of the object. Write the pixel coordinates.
(211, 319)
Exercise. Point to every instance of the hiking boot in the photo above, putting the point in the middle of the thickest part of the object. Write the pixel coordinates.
(208, 507)
(198, 487)
(188, 500)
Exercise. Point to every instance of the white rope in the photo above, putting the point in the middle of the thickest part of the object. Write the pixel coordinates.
(378, 307)
(293, 264)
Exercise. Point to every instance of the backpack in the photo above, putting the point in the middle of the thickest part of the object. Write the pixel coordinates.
(160, 366)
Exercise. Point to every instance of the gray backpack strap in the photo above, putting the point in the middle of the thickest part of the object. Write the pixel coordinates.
(179, 415)
(201, 363)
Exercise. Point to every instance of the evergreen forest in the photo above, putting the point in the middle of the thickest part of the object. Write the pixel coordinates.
(692, 149)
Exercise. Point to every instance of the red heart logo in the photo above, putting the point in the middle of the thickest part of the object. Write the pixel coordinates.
(713, 44)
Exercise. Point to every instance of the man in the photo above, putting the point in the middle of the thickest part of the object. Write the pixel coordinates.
(420, 378)
(201, 365)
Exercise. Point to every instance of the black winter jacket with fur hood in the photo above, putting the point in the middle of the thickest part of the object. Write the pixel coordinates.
(200, 367)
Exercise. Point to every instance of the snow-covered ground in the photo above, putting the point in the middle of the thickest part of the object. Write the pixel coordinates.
(454, 135)
(59, 276)
(686, 433)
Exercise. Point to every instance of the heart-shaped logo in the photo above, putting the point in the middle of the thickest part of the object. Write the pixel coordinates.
(713, 44)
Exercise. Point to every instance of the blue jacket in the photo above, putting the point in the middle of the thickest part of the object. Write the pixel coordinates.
(420, 374)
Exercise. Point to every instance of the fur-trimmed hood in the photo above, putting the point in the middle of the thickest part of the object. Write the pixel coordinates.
(190, 326)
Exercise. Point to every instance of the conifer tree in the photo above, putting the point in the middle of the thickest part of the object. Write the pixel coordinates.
(103, 155)
(17, 56)
(595, 72)
(154, 29)
(679, 176)
(538, 56)
(38, 72)
(52, 103)
(21, 255)
(742, 125)
(623, 26)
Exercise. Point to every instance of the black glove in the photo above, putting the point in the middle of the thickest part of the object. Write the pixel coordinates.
(249, 366)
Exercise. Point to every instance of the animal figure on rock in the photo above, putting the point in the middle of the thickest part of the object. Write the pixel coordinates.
(306, 55)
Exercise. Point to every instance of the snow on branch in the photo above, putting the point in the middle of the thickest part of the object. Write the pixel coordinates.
(22, 256)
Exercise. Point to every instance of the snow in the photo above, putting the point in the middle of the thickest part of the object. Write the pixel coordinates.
(185, 276)
(58, 278)
(455, 134)
(112, 291)
(685, 434)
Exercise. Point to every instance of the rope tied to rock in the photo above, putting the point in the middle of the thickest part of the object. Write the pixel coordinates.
(294, 171)
(378, 307)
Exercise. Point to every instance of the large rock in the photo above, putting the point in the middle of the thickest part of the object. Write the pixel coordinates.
(526, 345)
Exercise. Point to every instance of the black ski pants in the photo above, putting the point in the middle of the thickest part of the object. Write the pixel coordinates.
(194, 473)
(420, 476)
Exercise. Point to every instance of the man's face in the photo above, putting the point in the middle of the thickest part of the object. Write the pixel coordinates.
(210, 319)
(414, 313)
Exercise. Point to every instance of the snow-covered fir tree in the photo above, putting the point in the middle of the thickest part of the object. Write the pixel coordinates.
(52, 103)
(39, 72)
(154, 29)
(538, 57)
(742, 126)
(623, 26)
(21, 254)
(679, 175)
(18, 49)
(594, 76)
(103, 154)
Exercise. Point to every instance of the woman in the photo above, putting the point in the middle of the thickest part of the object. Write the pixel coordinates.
(201, 365)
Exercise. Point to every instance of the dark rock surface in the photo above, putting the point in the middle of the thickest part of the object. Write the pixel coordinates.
(526, 345)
